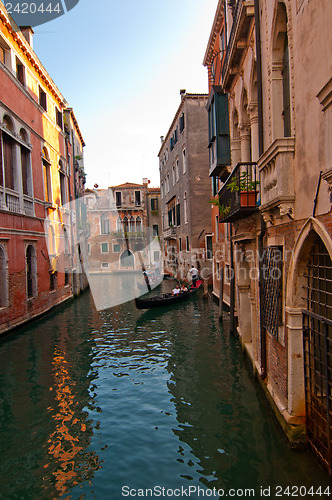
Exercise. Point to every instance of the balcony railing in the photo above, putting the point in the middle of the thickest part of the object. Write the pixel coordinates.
(238, 197)
(170, 233)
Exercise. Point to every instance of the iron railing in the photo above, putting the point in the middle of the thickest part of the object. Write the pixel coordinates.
(238, 197)
(317, 348)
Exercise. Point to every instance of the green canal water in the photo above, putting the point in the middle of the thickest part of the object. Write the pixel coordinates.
(106, 405)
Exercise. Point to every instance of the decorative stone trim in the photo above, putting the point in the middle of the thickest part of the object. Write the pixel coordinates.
(325, 95)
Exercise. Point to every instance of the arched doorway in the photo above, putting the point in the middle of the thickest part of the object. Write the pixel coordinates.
(127, 259)
(309, 312)
(317, 349)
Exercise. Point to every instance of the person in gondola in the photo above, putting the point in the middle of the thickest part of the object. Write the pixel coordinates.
(194, 275)
(176, 290)
(184, 288)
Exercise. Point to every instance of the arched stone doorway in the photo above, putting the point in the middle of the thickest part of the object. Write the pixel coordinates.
(309, 309)
(127, 259)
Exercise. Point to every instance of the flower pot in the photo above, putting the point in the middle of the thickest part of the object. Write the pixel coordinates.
(248, 198)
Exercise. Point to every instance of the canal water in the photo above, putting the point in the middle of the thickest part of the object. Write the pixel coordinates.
(109, 404)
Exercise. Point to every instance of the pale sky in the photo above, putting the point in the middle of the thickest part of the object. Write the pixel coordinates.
(121, 67)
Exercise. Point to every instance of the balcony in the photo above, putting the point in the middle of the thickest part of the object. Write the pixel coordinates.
(169, 233)
(238, 42)
(276, 167)
(239, 195)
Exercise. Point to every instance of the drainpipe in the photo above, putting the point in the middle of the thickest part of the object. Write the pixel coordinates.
(260, 151)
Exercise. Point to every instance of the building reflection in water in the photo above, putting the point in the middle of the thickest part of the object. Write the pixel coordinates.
(69, 464)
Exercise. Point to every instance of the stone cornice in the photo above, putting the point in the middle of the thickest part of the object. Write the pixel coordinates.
(218, 19)
(31, 56)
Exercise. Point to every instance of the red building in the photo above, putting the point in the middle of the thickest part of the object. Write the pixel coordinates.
(39, 139)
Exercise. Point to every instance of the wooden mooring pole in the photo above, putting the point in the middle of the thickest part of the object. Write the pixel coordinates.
(221, 295)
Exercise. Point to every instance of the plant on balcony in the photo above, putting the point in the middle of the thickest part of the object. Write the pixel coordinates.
(247, 188)
(245, 184)
(223, 211)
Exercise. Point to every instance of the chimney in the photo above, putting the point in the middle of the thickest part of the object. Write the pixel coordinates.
(27, 32)
(162, 139)
(145, 181)
(182, 93)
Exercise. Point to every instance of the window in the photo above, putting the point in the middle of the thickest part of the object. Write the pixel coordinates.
(67, 277)
(66, 242)
(286, 90)
(118, 199)
(214, 181)
(59, 118)
(177, 170)
(176, 135)
(2, 55)
(8, 145)
(138, 224)
(104, 265)
(63, 190)
(180, 244)
(20, 71)
(132, 224)
(185, 206)
(154, 203)
(162, 189)
(42, 99)
(217, 228)
(104, 225)
(155, 230)
(181, 123)
(184, 161)
(47, 176)
(178, 215)
(187, 243)
(209, 252)
(104, 248)
(173, 174)
(137, 198)
(116, 248)
(89, 249)
(53, 280)
(25, 165)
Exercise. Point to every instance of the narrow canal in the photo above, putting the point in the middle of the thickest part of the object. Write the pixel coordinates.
(103, 405)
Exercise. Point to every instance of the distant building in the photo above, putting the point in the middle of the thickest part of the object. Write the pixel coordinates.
(39, 137)
(123, 221)
(186, 190)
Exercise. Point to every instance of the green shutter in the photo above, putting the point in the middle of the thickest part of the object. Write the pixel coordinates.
(222, 132)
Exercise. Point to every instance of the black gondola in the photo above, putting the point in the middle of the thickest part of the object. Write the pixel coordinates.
(166, 299)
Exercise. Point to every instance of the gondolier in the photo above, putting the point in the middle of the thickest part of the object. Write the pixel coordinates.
(194, 275)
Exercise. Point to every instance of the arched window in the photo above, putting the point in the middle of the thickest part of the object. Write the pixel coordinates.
(25, 164)
(104, 224)
(138, 224)
(8, 145)
(281, 76)
(132, 225)
(3, 279)
(31, 272)
(119, 227)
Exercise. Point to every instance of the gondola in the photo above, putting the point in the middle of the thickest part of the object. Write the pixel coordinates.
(166, 299)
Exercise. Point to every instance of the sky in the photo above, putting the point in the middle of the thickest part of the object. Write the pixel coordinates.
(121, 66)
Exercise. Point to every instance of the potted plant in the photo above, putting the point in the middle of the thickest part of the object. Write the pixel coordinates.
(247, 188)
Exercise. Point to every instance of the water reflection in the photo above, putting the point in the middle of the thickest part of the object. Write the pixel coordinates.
(120, 397)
